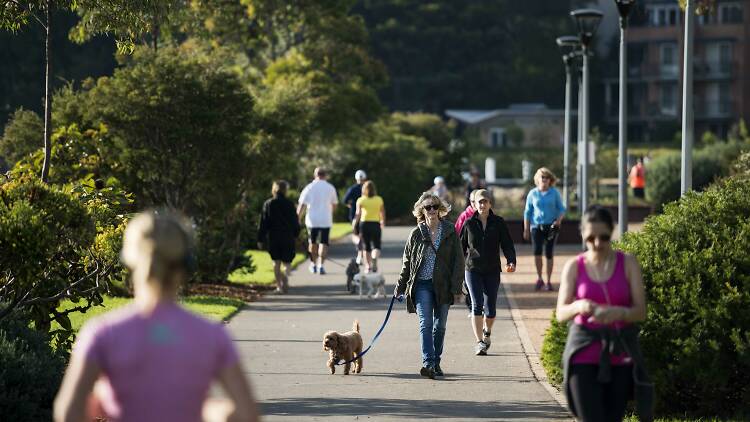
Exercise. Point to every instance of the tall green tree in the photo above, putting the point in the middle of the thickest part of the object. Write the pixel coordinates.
(16, 14)
(131, 22)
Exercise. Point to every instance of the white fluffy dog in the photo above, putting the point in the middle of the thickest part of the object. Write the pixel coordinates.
(375, 283)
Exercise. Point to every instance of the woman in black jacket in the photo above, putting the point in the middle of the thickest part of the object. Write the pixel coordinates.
(278, 229)
(482, 237)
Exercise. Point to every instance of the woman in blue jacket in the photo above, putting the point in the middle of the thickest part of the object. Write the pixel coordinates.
(541, 221)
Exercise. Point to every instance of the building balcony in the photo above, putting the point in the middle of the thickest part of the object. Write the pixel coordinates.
(705, 109)
(704, 69)
(654, 71)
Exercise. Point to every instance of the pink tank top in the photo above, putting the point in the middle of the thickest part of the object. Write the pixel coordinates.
(618, 290)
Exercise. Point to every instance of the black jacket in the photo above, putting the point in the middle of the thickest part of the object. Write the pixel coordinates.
(278, 218)
(613, 342)
(481, 247)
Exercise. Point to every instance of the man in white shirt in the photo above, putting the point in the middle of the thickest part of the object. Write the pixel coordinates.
(319, 198)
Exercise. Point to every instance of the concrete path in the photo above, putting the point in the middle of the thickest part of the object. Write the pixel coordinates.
(280, 341)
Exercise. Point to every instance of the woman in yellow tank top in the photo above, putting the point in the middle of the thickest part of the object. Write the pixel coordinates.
(370, 220)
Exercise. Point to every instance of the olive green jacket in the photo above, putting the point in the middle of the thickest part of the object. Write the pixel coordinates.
(448, 276)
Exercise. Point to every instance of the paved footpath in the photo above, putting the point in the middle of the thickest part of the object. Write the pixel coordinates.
(280, 342)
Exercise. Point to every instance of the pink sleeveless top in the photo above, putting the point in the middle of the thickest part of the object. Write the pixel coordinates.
(618, 290)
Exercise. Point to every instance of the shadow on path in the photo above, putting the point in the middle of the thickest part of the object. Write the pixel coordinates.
(404, 408)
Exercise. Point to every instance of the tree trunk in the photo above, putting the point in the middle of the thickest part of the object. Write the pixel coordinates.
(47, 95)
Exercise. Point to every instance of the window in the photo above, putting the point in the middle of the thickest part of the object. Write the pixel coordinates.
(668, 59)
(730, 13)
(719, 58)
(668, 103)
(673, 17)
(663, 15)
(498, 137)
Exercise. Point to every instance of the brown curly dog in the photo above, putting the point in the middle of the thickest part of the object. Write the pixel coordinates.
(344, 346)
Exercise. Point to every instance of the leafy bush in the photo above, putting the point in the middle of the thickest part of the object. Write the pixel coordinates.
(57, 243)
(709, 163)
(23, 134)
(402, 166)
(696, 266)
(552, 350)
(30, 372)
(741, 167)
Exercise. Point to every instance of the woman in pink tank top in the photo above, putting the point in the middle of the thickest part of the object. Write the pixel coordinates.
(602, 292)
(153, 360)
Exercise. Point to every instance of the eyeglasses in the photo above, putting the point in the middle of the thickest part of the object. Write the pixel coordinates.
(545, 177)
(602, 237)
(431, 207)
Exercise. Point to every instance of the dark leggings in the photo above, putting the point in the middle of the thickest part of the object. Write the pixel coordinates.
(483, 290)
(371, 234)
(539, 241)
(595, 401)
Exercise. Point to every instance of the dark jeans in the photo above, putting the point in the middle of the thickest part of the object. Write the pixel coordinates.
(483, 290)
(432, 321)
(597, 402)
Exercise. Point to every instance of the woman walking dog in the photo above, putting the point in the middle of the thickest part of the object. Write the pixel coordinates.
(431, 276)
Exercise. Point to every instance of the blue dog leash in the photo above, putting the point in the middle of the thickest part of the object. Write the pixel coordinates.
(372, 342)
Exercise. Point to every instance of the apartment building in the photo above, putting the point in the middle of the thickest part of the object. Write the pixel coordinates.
(655, 50)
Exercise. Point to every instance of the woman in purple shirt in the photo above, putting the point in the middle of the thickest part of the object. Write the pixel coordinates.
(153, 360)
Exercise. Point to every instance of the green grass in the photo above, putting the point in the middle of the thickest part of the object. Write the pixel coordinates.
(216, 308)
(263, 273)
(263, 265)
(340, 230)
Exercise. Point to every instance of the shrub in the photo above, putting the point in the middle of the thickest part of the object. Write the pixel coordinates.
(57, 243)
(696, 266)
(23, 134)
(30, 372)
(552, 350)
(709, 163)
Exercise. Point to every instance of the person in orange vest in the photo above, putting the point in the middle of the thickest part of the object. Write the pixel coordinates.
(637, 179)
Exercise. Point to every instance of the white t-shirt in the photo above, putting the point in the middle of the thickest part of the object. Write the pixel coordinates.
(319, 196)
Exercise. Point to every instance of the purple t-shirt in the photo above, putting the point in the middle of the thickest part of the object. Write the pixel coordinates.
(157, 367)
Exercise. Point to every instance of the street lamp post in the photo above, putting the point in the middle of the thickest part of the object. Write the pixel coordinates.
(587, 21)
(624, 7)
(687, 101)
(568, 44)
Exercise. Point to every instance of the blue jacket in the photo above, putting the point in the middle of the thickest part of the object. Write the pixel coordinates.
(543, 209)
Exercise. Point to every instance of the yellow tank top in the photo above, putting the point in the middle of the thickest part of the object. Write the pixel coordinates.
(370, 208)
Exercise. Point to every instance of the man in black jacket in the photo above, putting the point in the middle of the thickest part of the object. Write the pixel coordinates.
(482, 238)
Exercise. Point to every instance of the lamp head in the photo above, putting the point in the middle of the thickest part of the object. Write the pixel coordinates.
(587, 21)
(568, 43)
(624, 7)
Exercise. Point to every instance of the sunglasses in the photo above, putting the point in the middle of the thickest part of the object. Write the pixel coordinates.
(545, 178)
(431, 207)
(602, 237)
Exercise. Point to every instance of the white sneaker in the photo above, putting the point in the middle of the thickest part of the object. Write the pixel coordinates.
(480, 349)
(486, 338)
